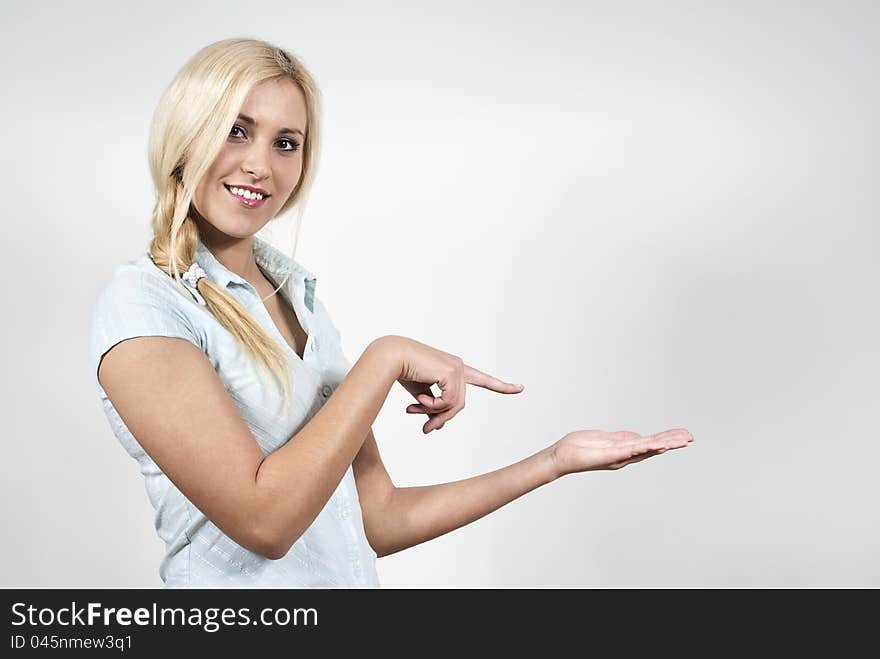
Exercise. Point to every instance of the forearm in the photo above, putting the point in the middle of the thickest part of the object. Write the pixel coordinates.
(418, 514)
(295, 482)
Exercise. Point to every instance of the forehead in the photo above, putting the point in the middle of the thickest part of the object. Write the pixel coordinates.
(276, 103)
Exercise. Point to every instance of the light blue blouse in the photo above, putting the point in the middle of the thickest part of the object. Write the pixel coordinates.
(141, 300)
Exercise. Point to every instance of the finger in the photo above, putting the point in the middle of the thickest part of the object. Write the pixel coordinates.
(431, 416)
(631, 450)
(439, 420)
(430, 401)
(620, 454)
(650, 454)
(450, 393)
(639, 458)
(440, 427)
(625, 440)
(656, 442)
(629, 436)
(456, 408)
(473, 376)
(675, 439)
(419, 389)
(434, 405)
(674, 433)
(625, 436)
(420, 409)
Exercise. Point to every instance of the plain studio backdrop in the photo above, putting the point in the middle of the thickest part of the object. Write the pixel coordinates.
(654, 215)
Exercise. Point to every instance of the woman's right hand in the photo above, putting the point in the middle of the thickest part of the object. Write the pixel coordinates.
(421, 366)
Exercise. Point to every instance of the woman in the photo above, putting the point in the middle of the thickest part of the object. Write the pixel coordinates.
(222, 373)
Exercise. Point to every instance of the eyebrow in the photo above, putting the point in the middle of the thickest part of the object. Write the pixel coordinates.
(282, 131)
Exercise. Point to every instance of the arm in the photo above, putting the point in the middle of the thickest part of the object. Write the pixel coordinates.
(396, 518)
(171, 399)
(296, 481)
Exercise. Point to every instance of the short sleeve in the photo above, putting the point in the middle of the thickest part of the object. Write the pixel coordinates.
(137, 303)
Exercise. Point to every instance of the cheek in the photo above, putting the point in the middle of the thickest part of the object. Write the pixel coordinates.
(206, 190)
(222, 165)
(199, 194)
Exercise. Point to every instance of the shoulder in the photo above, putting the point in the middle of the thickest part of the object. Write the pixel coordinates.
(138, 299)
(140, 280)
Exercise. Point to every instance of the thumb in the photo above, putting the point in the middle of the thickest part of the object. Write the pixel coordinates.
(429, 401)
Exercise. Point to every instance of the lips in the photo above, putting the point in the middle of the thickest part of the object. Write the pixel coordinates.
(247, 203)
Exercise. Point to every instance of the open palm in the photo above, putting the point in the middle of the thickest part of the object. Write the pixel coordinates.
(592, 450)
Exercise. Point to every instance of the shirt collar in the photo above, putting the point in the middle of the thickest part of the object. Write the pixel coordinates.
(269, 259)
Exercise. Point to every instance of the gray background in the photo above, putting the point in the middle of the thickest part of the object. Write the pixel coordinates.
(652, 214)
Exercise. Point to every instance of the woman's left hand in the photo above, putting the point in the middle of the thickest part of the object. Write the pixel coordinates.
(593, 450)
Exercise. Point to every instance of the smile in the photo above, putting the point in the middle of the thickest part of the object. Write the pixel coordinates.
(253, 202)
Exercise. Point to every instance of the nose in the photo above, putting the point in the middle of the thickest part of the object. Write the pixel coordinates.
(255, 162)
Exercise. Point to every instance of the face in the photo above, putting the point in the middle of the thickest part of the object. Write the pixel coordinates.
(260, 152)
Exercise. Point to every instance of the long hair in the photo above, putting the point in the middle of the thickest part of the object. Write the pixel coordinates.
(190, 126)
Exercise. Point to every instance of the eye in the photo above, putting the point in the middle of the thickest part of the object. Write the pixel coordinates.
(294, 145)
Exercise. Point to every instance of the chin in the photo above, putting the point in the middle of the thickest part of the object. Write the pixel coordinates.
(234, 224)
(241, 229)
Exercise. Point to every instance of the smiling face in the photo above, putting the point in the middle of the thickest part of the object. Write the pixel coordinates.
(263, 152)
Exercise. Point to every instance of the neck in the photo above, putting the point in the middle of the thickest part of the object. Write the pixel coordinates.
(236, 254)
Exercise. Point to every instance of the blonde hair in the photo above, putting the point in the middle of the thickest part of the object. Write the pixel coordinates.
(189, 128)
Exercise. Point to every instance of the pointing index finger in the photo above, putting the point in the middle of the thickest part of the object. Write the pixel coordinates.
(474, 376)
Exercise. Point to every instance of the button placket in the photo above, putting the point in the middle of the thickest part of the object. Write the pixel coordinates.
(354, 559)
(340, 502)
(344, 507)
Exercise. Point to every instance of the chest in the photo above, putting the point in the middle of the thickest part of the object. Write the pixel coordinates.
(287, 323)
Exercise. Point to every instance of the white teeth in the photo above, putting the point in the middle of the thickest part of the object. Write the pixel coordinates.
(246, 194)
